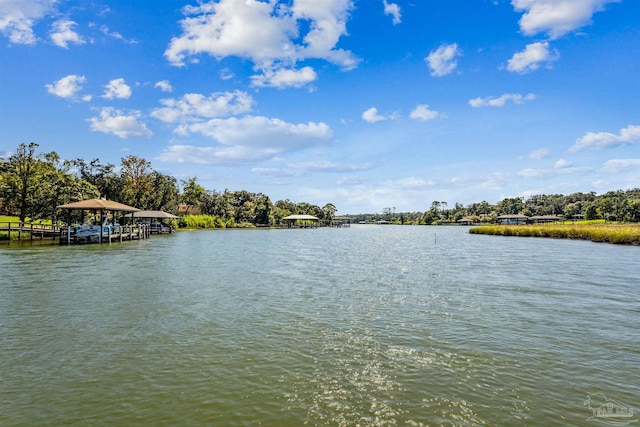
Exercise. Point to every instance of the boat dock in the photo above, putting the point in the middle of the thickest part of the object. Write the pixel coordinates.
(74, 234)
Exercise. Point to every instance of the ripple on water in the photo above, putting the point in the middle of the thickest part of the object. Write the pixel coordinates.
(361, 326)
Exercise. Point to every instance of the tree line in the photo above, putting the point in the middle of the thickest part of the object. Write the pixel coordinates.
(32, 185)
(619, 205)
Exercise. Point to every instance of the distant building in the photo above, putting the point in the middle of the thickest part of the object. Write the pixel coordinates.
(184, 209)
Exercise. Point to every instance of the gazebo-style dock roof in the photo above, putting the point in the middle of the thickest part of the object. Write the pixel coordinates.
(154, 214)
(156, 225)
(513, 219)
(301, 221)
(546, 218)
(99, 205)
(102, 206)
(465, 221)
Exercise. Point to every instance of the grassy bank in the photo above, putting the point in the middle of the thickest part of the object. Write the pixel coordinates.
(209, 221)
(625, 234)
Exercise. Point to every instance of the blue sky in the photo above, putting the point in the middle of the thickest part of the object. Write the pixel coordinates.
(363, 103)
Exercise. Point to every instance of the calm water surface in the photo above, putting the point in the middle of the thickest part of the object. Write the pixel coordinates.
(368, 325)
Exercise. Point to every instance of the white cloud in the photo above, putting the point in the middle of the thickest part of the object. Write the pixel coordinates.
(411, 183)
(556, 17)
(596, 141)
(226, 74)
(370, 198)
(326, 166)
(267, 33)
(18, 17)
(285, 78)
(119, 123)
(562, 163)
(442, 61)
(501, 101)
(67, 87)
(196, 107)
(496, 180)
(531, 57)
(275, 172)
(118, 89)
(551, 172)
(303, 168)
(62, 34)
(164, 86)
(392, 9)
(618, 165)
(422, 112)
(251, 138)
(114, 34)
(372, 116)
(350, 180)
(540, 153)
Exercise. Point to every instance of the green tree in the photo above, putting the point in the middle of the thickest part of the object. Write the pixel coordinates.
(287, 207)
(138, 189)
(19, 180)
(192, 192)
(571, 209)
(329, 212)
(263, 212)
(58, 186)
(165, 193)
(33, 185)
(590, 211)
(510, 206)
(214, 203)
(631, 212)
(103, 177)
(605, 208)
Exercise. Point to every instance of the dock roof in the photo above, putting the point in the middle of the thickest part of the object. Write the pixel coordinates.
(154, 214)
(99, 205)
(303, 216)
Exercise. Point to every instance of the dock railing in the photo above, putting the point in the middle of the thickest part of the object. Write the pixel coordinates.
(32, 229)
(9, 230)
(106, 234)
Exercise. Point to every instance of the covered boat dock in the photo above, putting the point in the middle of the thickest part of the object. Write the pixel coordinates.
(104, 229)
(154, 219)
(301, 221)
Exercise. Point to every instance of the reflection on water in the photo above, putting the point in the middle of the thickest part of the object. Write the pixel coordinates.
(370, 325)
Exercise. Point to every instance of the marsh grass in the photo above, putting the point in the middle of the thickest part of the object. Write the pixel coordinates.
(201, 221)
(210, 221)
(625, 234)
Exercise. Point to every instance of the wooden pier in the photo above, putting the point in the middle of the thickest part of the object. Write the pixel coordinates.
(121, 233)
(34, 231)
(68, 235)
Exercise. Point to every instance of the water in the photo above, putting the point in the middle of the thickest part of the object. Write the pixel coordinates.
(368, 325)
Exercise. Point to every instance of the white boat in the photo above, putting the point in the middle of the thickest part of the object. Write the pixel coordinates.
(91, 233)
(88, 234)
